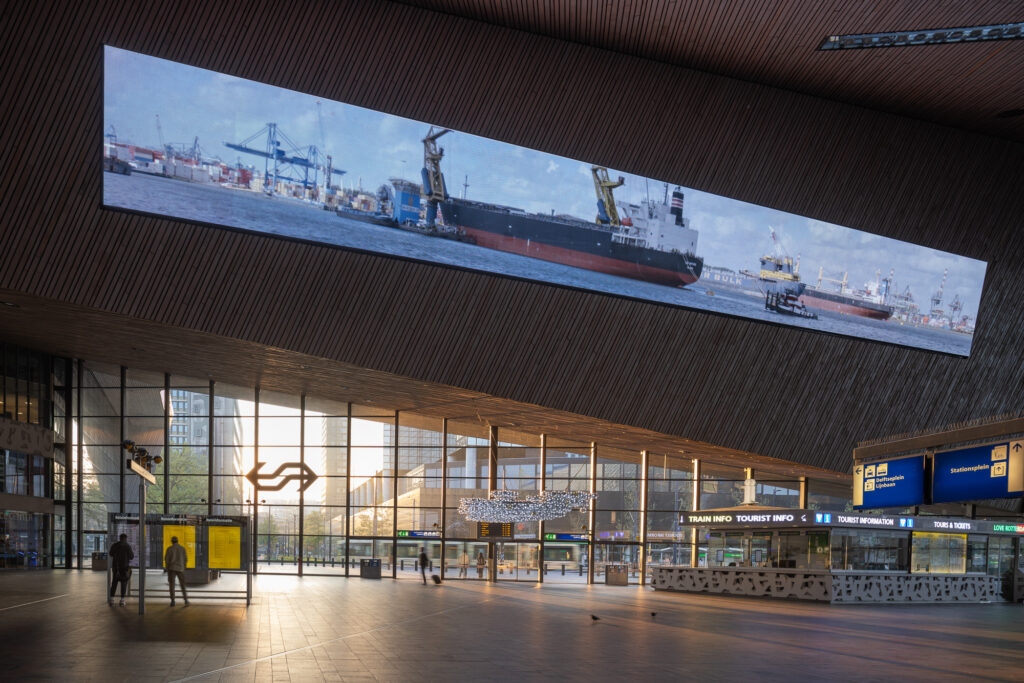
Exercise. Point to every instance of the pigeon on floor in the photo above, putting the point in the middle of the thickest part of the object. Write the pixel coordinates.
(595, 618)
(653, 614)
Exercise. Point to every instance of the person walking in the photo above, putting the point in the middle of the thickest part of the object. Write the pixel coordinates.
(423, 564)
(481, 562)
(175, 560)
(464, 565)
(121, 555)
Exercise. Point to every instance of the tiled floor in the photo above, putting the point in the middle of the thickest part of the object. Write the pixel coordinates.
(57, 626)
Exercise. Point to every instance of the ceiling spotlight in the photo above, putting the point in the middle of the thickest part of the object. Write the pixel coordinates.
(943, 36)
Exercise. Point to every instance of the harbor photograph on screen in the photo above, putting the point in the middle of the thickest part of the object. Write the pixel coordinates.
(203, 146)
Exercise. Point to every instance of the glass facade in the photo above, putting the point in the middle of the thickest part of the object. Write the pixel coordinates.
(32, 392)
(388, 483)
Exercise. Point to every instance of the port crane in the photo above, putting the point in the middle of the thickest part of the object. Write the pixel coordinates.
(434, 190)
(936, 310)
(841, 282)
(282, 156)
(607, 214)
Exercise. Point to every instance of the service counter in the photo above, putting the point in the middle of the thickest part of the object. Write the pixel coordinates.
(845, 557)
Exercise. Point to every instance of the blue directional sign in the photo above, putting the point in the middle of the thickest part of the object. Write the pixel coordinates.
(889, 483)
(995, 470)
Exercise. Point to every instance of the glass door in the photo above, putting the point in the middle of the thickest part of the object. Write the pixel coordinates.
(565, 562)
(516, 561)
(465, 560)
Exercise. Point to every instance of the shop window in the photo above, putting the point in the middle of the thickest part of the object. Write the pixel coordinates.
(939, 553)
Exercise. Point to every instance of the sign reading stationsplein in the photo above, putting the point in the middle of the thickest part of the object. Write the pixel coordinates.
(994, 470)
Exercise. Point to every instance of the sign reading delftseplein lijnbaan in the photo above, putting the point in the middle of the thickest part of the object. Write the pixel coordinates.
(994, 470)
(889, 483)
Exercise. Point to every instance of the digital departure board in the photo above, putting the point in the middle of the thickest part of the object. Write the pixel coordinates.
(494, 530)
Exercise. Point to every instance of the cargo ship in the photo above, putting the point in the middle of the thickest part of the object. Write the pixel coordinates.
(867, 303)
(650, 241)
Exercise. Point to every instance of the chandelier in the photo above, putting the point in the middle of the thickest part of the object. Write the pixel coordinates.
(506, 506)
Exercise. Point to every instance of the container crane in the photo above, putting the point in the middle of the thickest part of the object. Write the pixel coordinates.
(279, 149)
(936, 310)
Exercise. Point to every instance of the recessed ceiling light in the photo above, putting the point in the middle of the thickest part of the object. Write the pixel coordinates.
(941, 36)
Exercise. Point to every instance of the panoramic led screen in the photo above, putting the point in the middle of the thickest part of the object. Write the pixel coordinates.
(207, 147)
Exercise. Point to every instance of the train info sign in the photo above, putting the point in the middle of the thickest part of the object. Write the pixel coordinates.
(994, 470)
(753, 518)
(889, 483)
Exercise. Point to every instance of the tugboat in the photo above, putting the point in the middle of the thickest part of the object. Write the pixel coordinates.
(780, 281)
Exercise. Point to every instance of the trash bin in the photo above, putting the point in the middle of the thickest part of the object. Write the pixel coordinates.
(99, 561)
(616, 575)
(369, 569)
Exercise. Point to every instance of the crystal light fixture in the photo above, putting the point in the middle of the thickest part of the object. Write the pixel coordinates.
(506, 506)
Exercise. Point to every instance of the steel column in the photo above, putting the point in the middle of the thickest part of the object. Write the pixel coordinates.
(643, 517)
(78, 469)
(592, 516)
(302, 492)
(444, 492)
(694, 507)
(543, 489)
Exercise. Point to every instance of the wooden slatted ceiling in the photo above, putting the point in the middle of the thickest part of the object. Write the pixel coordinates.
(775, 43)
(73, 331)
(747, 387)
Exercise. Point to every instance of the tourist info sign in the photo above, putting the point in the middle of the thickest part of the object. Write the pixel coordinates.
(889, 483)
(994, 470)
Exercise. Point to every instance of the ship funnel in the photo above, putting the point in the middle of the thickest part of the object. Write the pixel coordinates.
(677, 205)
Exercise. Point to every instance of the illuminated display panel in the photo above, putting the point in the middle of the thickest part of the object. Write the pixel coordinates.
(211, 148)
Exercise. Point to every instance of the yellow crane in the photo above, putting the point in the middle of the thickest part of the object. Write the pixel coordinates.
(434, 191)
(607, 214)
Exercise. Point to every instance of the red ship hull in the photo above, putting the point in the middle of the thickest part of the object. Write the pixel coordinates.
(811, 301)
(579, 259)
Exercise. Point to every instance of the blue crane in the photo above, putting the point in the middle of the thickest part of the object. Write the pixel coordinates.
(280, 153)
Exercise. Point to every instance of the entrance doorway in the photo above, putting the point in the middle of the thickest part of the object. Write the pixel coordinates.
(465, 560)
(565, 562)
(515, 561)
(407, 558)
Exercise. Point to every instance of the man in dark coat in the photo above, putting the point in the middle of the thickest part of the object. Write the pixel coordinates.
(424, 561)
(121, 555)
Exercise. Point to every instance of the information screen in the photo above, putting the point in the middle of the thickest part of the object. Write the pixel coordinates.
(130, 527)
(225, 547)
(494, 529)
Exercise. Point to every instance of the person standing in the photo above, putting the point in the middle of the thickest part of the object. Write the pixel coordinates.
(423, 564)
(121, 555)
(175, 560)
(464, 565)
(481, 562)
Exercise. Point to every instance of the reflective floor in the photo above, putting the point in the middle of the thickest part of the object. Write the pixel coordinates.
(57, 626)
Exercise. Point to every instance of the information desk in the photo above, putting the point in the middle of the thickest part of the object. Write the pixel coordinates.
(845, 557)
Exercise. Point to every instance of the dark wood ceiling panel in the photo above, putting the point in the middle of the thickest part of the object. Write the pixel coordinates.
(964, 85)
(625, 365)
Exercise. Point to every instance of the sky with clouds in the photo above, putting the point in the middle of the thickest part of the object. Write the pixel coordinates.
(373, 147)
